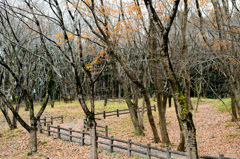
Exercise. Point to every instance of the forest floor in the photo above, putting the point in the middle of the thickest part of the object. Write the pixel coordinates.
(216, 134)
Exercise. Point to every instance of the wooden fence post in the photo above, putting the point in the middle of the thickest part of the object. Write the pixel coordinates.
(84, 123)
(117, 113)
(70, 134)
(106, 130)
(110, 144)
(51, 120)
(44, 121)
(82, 138)
(104, 114)
(148, 151)
(39, 126)
(221, 156)
(88, 125)
(168, 153)
(40, 130)
(58, 131)
(48, 128)
(129, 147)
(62, 119)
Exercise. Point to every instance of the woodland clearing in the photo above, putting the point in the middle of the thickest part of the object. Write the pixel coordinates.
(216, 134)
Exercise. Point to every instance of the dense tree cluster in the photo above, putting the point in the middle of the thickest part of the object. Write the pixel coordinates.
(125, 49)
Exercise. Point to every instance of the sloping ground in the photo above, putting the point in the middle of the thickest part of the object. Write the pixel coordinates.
(215, 134)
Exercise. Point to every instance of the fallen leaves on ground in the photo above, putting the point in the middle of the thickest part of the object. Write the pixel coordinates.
(216, 134)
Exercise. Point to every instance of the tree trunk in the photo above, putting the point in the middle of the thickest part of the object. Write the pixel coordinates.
(26, 104)
(133, 112)
(187, 91)
(199, 89)
(150, 117)
(236, 100)
(105, 102)
(52, 103)
(124, 85)
(93, 150)
(33, 140)
(141, 115)
(119, 92)
(162, 104)
(10, 124)
(233, 106)
(186, 122)
(158, 86)
(181, 146)
(170, 100)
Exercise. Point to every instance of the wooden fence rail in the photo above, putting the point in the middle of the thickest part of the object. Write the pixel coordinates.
(81, 135)
(118, 112)
(100, 129)
(45, 122)
(111, 142)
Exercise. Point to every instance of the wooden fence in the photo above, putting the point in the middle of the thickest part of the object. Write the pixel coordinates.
(114, 144)
(45, 122)
(100, 129)
(118, 112)
(63, 133)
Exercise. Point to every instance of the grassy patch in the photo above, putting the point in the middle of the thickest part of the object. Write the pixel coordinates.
(233, 134)
(221, 107)
(42, 143)
(13, 133)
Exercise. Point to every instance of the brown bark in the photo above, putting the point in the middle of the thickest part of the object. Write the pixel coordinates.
(184, 56)
(33, 140)
(233, 106)
(159, 88)
(137, 82)
(132, 110)
(11, 125)
(180, 100)
(93, 140)
(162, 105)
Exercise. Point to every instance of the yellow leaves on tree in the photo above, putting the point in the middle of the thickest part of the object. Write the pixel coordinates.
(221, 44)
(215, 67)
(98, 59)
(61, 40)
(233, 61)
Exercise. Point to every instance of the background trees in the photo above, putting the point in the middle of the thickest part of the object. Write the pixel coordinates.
(131, 49)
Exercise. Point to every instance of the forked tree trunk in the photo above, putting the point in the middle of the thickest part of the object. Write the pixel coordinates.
(140, 86)
(158, 86)
(162, 104)
(133, 112)
(12, 124)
